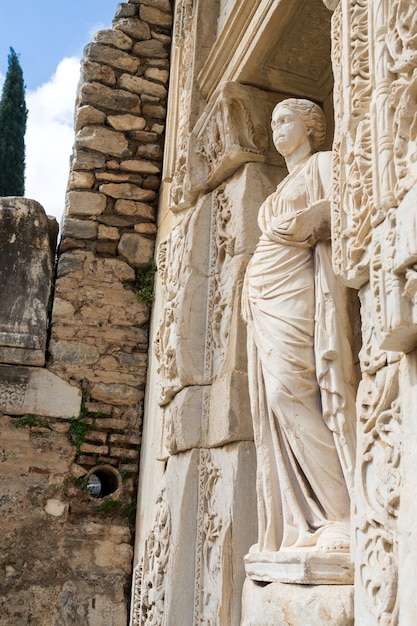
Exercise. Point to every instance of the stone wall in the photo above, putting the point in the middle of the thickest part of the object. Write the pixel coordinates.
(67, 556)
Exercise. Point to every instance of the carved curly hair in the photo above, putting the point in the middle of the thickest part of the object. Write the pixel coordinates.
(312, 116)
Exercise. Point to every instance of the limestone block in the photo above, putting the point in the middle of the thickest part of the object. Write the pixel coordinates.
(79, 229)
(136, 249)
(138, 209)
(157, 74)
(96, 72)
(71, 263)
(109, 555)
(133, 27)
(36, 391)
(108, 232)
(110, 56)
(145, 228)
(116, 394)
(127, 191)
(279, 604)
(126, 122)
(62, 308)
(143, 167)
(152, 181)
(88, 114)
(166, 40)
(143, 136)
(158, 128)
(104, 97)
(163, 5)
(83, 160)
(150, 151)
(154, 110)
(153, 15)
(125, 10)
(119, 177)
(27, 253)
(139, 85)
(151, 48)
(114, 38)
(80, 180)
(103, 140)
(86, 203)
(73, 352)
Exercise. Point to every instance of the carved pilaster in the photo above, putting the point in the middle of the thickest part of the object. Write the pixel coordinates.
(375, 69)
(378, 487)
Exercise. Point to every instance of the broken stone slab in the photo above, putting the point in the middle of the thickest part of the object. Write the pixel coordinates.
(303, 567)
(27, 246)
(34, 390)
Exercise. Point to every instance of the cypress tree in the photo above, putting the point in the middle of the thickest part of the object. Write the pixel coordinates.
(13, 115)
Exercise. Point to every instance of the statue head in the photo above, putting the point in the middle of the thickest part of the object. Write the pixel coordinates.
(311, 115)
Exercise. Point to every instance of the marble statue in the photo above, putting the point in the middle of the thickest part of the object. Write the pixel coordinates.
(299, 356)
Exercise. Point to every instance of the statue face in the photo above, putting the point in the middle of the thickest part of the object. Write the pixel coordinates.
(288, 130)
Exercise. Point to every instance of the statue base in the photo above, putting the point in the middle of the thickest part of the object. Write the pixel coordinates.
(303, 567)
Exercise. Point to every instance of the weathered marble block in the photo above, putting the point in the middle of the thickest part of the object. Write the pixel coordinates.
(34, 390)
(190, 569)
(280, 604)
(27, 244)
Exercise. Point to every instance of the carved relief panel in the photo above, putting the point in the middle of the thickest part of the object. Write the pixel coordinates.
(374, 59)
(182, 261)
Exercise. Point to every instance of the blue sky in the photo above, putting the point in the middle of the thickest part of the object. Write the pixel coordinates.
(49, 37)
(45, 31)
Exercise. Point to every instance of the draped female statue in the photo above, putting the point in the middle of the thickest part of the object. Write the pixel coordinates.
(299, 357)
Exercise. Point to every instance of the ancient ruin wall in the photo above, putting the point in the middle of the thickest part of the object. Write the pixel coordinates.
(67, 556)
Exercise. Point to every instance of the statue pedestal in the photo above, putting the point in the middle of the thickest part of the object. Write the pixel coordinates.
(304, 567)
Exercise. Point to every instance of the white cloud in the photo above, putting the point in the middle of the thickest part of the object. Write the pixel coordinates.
(50, 136)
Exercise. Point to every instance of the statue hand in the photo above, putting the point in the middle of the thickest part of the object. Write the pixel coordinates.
(307, 226)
